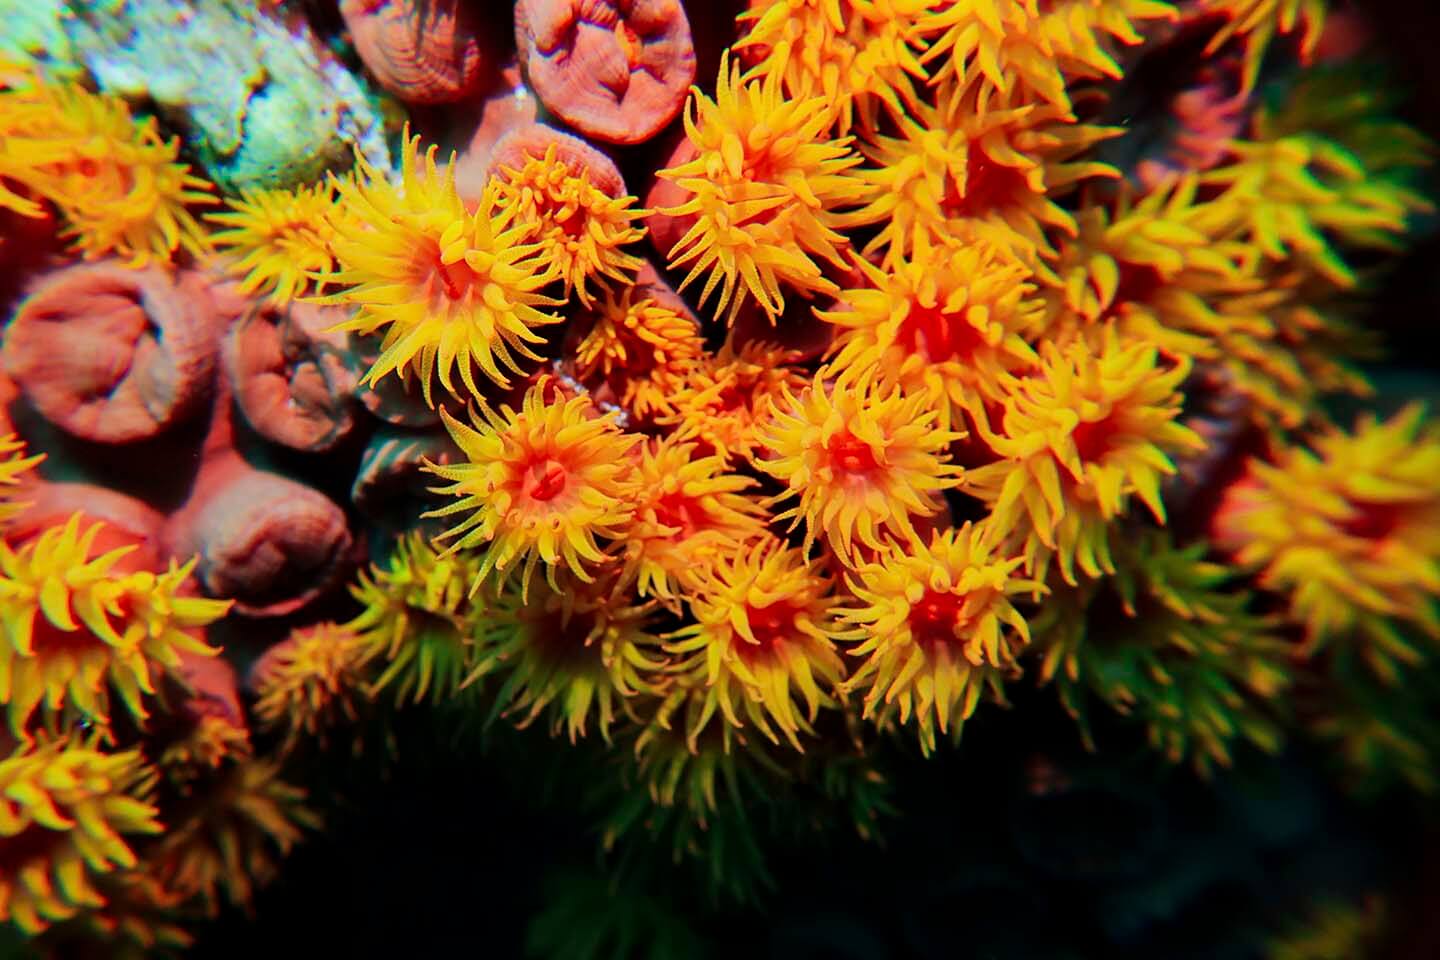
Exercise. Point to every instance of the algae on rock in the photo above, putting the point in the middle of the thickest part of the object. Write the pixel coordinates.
(261, 103)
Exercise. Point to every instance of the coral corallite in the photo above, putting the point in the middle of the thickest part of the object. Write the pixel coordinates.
(581, 227)
(763, 634)
(1075, 441)
(64, 810)
(862, 459)
(764, 188)
(539, 485)
(1350, 531)
(279, 239)
(70, 622)
(449, 287)
(937, 628)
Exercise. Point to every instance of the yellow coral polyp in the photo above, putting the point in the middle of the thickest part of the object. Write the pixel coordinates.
(113, 178)
(1350, 532)
(725, 399)
(1288, 197)
(579, 653)
(948, 325)
(540, 485)
(1257, 22)
(71, 625)
(13, 465)
(864, 460)
(640, 347)
(858, 54)
(1034, 45)
(763, 635)
(279, 240)
(417, 616)
(450, 288)
(763, 190)
(582, 228)
(66, 810)
(937, 628)
(309, 683)
(1076, 440)
(1151, 268)
(967, 168)
(689, 510)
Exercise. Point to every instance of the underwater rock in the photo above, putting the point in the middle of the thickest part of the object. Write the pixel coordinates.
(391, 489)
(34, 30)
(422, 51)
(268, 542)
(532, 140)
(617, 72)
(292, 380)
(140, 349)
(261, 103)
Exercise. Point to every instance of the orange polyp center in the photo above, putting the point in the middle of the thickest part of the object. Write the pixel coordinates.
(1138, 283)
(677, 510)
(988, 185)
(50, 641)
(936, 335)
(850, 453)
(933, 620)
(1372, 521)
(543, 480)
(772, 625)
(1095, 438)
(455, 279)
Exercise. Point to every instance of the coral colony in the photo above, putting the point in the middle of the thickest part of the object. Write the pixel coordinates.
(930, 368)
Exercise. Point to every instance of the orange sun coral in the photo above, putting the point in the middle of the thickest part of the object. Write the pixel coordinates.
(863, 459)
(946, 325)
(1351, 532)
(639, 347)
(417, 616)
(540, 485)
(113, 178)
(64, 810)
(13, 464)
(932, 623)
(306, 685)
(763, 189)
(69, 620)
(580, 226)
(857, 54)
(688, 511)
(1075, 441)
(450, 288)
(1034, 45)
(576, 652)
(279, 239)
(725, 399)
(967, 168)
(763, 634)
